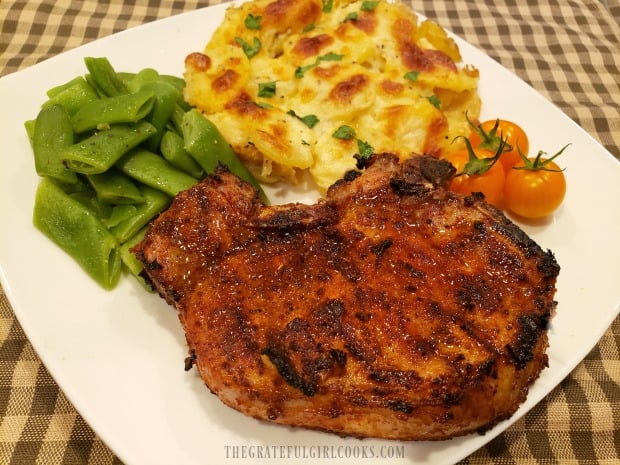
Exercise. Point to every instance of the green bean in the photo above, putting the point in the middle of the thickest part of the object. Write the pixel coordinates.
(135, 82)
(154, 171)
(176, 81)
(89, 199)
(173, 149)
(113, 187)
(29, 127)
(126, 77)
(119, 214)
(179, 83)
(104, 77)
(83, 192)
(176, 119)
(165, 99)
(111, 215)
(62, 87)
(130, 261)
(76, 230)
(205, 144)
(125, 108)
(52, 134)
(107, 213)
(154, 202)
(73, 95)
(100, 151)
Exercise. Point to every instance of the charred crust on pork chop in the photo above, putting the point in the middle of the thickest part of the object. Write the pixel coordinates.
(391, 308)
(298, 353)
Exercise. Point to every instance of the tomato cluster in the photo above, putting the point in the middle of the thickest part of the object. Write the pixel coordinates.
(495, 161)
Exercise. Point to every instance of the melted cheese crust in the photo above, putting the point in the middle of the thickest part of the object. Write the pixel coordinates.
(278, 78)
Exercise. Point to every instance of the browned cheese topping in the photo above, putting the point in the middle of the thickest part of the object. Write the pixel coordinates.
(279, 78)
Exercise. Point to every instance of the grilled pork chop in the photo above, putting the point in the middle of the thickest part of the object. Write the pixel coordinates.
(393, 308)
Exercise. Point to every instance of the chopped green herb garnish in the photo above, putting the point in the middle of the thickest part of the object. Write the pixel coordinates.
(365, 149)
(351, 16)
(252, 22)
(301, 70)
(249, 50)
(412, 75)
(368, 5)
(344, 132)
(309, 27)
(308, 120)
(267, 89)
(330, 57)
(264, 105)
(435, 101)
(327, 5)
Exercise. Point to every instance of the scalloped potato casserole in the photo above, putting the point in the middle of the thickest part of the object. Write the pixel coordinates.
(296, 85)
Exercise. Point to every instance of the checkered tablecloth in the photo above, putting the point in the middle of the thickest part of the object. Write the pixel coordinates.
(568, 51)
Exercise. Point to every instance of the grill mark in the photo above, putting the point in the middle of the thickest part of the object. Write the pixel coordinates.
(401, 406)
(468, 326)
(546, 263)
(298, 354)
(476, 292)
(528, 335)
(381, 247)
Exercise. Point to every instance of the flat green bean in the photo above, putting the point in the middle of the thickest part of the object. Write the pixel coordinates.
(154, 171)
(205, 143)
(119, 214)
(104, 77)
(164, 103)
(53, 91)
(89, 199)
(135, 82)
(109, 214)
(77, 231)
(52, 134)
(29, 127)
(124, 108)
(131, 262)
(173, 149)
(113, 187)
(155, 202)
(100, 151)
(176, 119)
(176, 81)
(102, 211)
(73, 95)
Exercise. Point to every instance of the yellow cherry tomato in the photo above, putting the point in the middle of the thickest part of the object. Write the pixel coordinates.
(534, 193)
